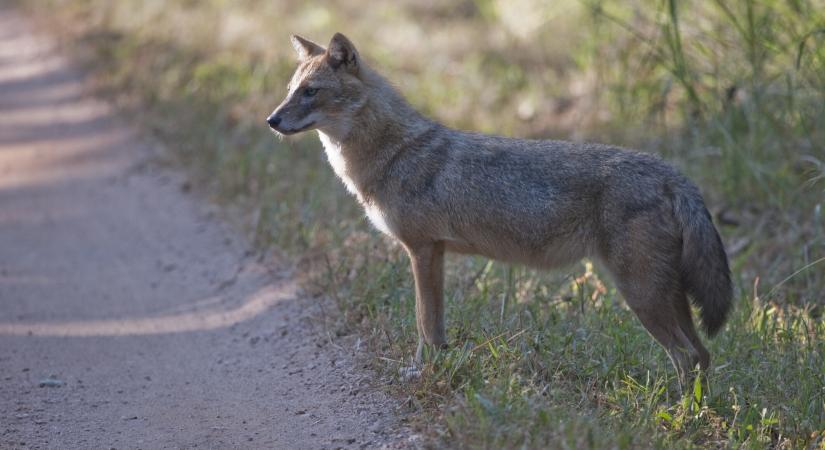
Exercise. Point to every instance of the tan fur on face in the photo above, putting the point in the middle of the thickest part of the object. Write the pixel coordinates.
(336, 75)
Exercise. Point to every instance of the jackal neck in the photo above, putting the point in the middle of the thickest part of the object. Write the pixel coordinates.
(381, 128)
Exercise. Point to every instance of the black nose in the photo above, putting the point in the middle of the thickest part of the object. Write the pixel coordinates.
(273, 121)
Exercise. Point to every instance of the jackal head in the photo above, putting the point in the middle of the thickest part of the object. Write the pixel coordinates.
(325, 90)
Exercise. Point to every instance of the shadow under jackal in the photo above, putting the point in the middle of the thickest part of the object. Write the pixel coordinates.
(541, 203)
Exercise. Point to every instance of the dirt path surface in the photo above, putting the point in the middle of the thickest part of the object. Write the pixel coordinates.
(130, 317)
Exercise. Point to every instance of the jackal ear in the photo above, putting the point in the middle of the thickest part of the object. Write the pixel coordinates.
(341, 53)
(305, 48)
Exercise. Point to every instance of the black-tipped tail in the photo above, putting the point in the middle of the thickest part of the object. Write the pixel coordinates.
(705, 271)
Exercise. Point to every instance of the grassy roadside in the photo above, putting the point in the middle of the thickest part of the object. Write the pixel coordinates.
(735, 96)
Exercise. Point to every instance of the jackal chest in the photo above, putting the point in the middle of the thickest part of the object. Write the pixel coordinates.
(379, 219)
(336, 159)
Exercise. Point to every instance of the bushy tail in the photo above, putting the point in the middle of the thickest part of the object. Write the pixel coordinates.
(705, 272)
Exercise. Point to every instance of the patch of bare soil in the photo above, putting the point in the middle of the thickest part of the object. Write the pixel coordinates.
(132, 317)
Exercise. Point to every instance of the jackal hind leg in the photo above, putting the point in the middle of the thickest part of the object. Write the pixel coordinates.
(651, 288)
(685, 318)
(663, 324)
(644, 255)
(659, 307)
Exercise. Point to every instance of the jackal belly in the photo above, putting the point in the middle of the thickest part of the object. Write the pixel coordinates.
(550, 254)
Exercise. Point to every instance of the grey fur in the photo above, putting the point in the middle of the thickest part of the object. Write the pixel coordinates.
(542, 203)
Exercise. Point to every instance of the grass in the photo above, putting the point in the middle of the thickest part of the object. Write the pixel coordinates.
(731, 92)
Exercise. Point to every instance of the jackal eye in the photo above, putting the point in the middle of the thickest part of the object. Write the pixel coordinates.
(310, 92)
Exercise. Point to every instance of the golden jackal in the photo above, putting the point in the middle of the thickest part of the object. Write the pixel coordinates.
(540, 203)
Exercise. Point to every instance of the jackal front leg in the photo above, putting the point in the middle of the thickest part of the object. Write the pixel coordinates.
(428, 269)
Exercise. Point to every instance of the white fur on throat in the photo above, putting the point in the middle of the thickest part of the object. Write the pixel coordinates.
(378, 219)
(336, 160)
(339, 165)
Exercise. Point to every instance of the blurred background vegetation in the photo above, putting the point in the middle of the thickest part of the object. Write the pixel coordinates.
(732, 92)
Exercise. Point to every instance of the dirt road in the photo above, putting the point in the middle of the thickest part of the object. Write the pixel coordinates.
(130, 316)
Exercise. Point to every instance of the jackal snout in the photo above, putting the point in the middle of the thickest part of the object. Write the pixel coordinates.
(273, 120)
(294, 115)
(325, 90)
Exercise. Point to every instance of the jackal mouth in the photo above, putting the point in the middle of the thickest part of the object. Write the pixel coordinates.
(294, 130)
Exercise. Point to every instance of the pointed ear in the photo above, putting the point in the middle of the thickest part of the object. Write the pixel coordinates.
(341, 53)
(305, 48)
